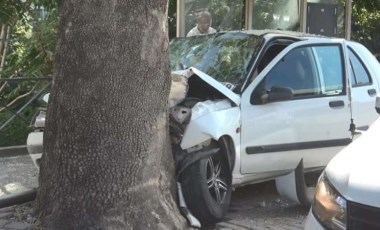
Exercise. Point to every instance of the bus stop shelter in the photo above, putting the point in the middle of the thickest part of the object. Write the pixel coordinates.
(324, 17)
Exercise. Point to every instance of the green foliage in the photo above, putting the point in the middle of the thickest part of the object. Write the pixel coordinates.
(369, 5)
(17, 131)
(172, 13)
(227, 15)
(30, 54)
(366, 24)
(12, 10)
(32, 46)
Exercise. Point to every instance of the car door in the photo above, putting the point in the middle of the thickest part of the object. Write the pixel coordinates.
(313, 125)
(364, 91)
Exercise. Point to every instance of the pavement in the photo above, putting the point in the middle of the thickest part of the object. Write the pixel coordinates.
(13, 218)
(260, 207)
(18, 174)
(252, 207)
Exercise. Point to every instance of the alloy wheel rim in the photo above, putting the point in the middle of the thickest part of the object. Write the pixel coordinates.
(215, 182)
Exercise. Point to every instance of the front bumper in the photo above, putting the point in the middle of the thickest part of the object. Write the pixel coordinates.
(34, 142)
(312, 222)
(35, 146)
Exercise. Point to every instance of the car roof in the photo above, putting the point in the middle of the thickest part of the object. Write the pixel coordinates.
(268, 34)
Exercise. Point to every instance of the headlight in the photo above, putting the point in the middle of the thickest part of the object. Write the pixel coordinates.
(329, 206)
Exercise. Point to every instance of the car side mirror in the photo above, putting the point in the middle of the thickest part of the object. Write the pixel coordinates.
(277, 93)
(377, 106)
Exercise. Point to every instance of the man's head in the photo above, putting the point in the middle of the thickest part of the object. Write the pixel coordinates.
(204, 21)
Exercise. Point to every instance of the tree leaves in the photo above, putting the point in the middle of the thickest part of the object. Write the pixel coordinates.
(366, 24)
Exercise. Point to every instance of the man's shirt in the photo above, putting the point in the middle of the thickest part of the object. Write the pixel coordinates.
(194, 32)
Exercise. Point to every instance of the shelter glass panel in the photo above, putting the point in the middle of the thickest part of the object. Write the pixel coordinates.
(276, 14)
(226, 14)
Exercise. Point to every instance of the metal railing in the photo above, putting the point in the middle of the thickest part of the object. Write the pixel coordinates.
(17, 112)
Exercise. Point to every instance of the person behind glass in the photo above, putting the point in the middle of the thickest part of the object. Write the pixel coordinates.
(203, 26)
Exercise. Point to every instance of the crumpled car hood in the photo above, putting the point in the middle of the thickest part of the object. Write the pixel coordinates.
(193, 72)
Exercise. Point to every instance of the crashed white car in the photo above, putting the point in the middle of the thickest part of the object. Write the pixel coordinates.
(252, 106)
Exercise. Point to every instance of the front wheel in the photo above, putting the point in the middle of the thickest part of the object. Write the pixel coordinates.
(206, 186)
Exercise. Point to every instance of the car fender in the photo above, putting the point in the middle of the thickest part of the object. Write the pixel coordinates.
(212, 125)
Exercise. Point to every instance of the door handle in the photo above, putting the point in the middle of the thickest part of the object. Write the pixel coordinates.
(334, 104)
(372, 92)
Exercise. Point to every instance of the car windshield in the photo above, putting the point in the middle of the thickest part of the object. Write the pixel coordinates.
(224, 56)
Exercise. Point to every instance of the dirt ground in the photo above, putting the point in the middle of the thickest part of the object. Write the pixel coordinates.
(256, 207)
(253, 207)
(260, 207)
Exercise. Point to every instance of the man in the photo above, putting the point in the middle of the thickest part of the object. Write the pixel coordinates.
(203, 26)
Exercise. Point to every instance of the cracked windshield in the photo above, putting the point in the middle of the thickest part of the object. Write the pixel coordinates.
(224, 57)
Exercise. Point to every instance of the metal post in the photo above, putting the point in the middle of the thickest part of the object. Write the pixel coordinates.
(347, 23)
(248, 14)
(181, 18)
(303, 15)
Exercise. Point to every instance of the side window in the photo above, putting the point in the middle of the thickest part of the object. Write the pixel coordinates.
(296, 71)
(308, 71)
(358, 71)
(331, 69)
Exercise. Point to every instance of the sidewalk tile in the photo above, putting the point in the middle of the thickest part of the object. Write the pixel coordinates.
(5, 214)
(17, 226)
(4, 222)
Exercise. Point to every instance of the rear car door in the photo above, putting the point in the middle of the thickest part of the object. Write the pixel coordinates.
(364, 86)
(313, 125)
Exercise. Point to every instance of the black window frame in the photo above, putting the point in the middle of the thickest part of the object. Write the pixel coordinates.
(344, 75)
(354, 84)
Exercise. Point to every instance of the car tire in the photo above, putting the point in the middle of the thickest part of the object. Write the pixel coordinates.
(206, 186)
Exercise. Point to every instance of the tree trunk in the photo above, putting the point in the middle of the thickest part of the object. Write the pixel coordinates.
(107, 161)
(2, 38)
(4, 45)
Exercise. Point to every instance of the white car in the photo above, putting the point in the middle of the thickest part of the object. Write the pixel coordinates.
(348, 191)
(252, 106)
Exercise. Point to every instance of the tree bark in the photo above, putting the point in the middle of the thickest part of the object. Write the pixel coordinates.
(2, 38)
(4, 46)
(107, 161)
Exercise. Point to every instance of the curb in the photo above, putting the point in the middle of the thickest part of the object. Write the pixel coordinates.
(10, 151)
(18, 197)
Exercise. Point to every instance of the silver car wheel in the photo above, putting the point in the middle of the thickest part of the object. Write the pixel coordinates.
(215, 182)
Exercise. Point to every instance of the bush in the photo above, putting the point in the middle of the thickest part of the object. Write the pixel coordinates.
(16, 132)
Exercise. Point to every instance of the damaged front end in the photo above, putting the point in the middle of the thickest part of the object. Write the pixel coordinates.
(194, 95)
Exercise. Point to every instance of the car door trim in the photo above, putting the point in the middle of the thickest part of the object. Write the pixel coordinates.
(297, 146)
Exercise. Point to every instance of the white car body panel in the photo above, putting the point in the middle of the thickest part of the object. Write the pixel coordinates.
(355, 171)
(261, 167)
(194, 72)
(217, 85)
(208, 126)
(304, 120)
(370, 61)
(363, 100)
(34, 142)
